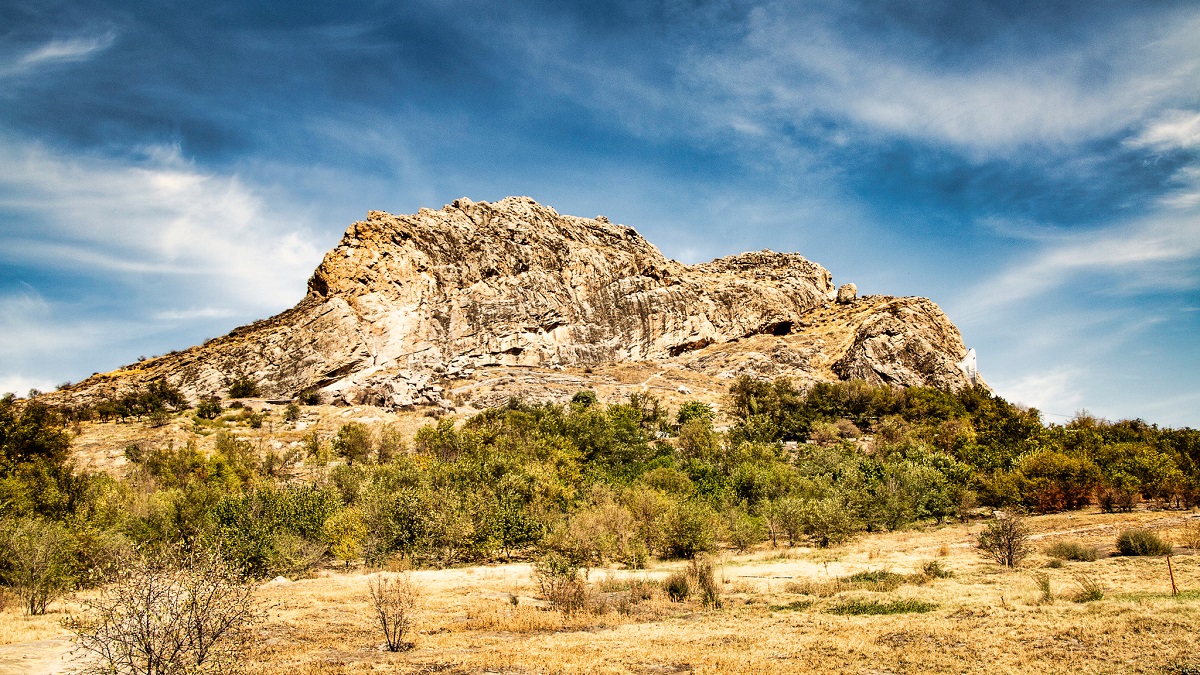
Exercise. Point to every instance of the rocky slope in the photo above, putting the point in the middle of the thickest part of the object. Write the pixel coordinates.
(408, 309)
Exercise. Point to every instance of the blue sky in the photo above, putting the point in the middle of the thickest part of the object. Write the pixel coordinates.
(169, 171)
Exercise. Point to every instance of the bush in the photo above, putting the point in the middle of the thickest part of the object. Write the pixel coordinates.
(934, 570)
(560, 582)
(291, 413)
(689, 529)
(743, 530)
(827, 521)
(353, 441)
(701, 571)
(1142, 542)
(310, 397)
(189, 615)
(677, 587)
(208, 409)
(243, 387)
(1005, 539)
(1071, 550)
(394, 598)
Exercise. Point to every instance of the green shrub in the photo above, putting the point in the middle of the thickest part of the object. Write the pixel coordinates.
(875, 607)
(291, 413)
(1071, 550)
(243, 387)
(208, 409)
(310, 397)
(38, 556)
(255, 420)
(880, 581)
(353, 441)
(793, 606)
(827, 521)
(743, 530)
(1142, 542)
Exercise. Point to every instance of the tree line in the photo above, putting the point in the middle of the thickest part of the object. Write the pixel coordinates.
(577, 484)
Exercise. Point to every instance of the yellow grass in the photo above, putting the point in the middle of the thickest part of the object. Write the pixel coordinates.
(775, 618)
(987, 620)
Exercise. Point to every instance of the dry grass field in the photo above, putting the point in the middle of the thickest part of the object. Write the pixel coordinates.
(784, 612)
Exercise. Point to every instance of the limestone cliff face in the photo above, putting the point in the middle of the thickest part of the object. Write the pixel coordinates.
(404, 302)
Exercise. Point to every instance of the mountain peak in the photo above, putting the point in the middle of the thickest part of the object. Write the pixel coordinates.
(406, 302)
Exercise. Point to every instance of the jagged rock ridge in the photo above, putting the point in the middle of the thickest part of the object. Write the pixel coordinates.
(405, 303)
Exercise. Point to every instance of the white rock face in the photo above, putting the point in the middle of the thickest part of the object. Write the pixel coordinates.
(404, 302)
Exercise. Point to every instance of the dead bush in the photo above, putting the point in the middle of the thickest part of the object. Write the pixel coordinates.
(182, 614)
(701, 571)
(1005, 539)
(394, 597)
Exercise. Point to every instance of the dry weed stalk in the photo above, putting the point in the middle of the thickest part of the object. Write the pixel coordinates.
(394, 597)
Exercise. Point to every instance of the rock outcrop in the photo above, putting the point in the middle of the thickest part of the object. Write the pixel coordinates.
(407, 303)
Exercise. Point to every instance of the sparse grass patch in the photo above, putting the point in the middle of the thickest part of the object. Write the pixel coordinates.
(1089, 589)
(1043, 582)
(1183, 596)
(1071, 550)
(794, 606)
(879, 581)
(875, 607)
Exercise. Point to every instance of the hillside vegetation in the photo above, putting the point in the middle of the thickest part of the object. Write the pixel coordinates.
(589, 483)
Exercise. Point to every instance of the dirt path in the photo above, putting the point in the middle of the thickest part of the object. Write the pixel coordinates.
(41, 657)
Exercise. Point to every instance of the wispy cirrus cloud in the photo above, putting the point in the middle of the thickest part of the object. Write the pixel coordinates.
(59, 50)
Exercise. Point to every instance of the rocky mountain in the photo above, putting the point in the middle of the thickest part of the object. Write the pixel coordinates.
(425, 308)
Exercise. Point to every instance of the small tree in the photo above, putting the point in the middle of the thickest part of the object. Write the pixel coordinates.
(168, 616)
(353, 441)
(1006, 539)
(39, 557)
(394, 598)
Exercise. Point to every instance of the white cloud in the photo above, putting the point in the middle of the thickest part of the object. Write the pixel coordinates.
(1159, 252)
(797, 64)
(1175, 129)
(63, 50)
(192, 314)
(1054, 392)
(159, 215)
(20, 385)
